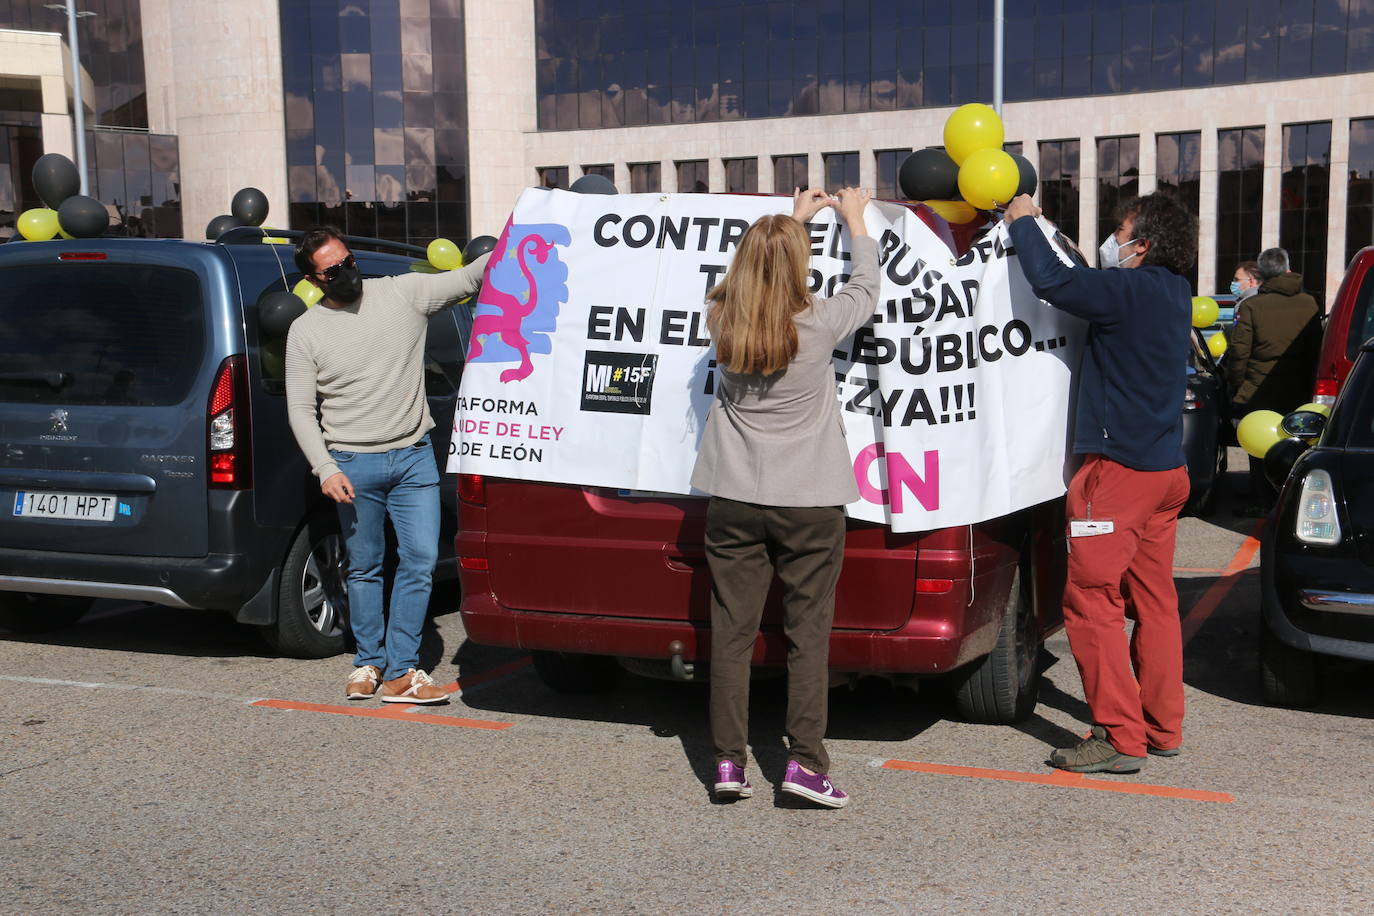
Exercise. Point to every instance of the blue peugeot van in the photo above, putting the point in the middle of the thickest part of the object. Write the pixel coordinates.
(144, 448)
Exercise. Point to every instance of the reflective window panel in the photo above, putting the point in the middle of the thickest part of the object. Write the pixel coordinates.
(645, 178)
(1178, 170)
(376, 116)
(693, 176)
(841, 170)
(1359, 219)
(554, 176)
(742, 176)
(1118, 179)
(1303, 202)
(1059, 184)
(889, 162)
(789, 173)
(612, 63)
(605, 171)
(1240, 197)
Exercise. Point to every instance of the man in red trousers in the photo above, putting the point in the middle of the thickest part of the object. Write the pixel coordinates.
(1124, 500)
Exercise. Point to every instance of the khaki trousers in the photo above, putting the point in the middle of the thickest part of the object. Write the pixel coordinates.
(745, 545)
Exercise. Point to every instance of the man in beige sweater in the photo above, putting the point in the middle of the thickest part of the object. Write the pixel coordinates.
(359, 357)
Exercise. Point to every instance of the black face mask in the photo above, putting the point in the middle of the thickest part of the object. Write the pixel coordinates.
(345, 286)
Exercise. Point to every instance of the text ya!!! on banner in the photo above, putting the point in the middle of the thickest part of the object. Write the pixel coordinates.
(590, 361)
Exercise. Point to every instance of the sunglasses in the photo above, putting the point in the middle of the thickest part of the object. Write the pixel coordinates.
(330, 274)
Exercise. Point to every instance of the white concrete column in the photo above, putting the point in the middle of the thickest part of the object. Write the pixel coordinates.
(57, 134)
(667, 169)
(1207, 214)
(765, 173)
(815, 169)
(1087, 193)
(1337, 199)
(868, 169)
(502, 108)
(715, 168)
(1273, 184)
(1149, 149)
(622, 176)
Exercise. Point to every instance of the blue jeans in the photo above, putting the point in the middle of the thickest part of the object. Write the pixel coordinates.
(402, 483)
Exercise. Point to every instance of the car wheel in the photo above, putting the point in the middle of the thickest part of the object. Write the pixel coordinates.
(567, 672)
(312, 598)
(1288, 676)
(1002, 687)
(26, 612)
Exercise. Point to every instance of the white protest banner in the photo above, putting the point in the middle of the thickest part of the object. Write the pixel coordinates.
(590, 362)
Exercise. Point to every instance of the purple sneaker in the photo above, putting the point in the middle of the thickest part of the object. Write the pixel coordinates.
(812, 787)
(731, 781)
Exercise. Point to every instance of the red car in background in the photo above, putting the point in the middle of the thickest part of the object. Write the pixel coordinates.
(1349, 323)
(591, 580)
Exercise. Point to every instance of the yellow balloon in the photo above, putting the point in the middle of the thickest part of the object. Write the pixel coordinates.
(38, 224)
(444, 255)
(1205, 311)
(1323, 409)
(309, 292)
(1259, 430)
(953, 211)
(1216, 345)
(272, 355)
(988, 178)
(970, 128)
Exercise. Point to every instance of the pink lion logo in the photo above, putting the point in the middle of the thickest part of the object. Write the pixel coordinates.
(517, 308)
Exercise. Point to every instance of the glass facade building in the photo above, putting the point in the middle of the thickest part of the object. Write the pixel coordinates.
(1359, 220)
(1240, 198)
(376, 116)
(613, 63)
(1304, 202)
(132, 171)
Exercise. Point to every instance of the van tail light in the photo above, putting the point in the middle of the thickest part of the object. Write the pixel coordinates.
(1325, 391)
(472, 489)
(934, 586)
(227, 436)
(1317, 522)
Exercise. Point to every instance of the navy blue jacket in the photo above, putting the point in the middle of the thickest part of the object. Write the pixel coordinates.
(1134, 372)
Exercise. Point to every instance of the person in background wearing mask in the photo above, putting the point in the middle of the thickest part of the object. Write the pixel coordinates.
(1123, 501)
(1272, 358)
(359, 356)
(1246, 281)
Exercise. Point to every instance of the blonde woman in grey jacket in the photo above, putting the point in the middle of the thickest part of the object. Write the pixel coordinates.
(774, 460)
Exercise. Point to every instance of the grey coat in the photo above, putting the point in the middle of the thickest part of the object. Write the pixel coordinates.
(778, 440)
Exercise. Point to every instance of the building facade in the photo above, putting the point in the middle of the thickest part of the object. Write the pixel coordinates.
(411, 119)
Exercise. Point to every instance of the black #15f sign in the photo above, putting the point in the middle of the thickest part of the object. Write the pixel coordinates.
(618, 382)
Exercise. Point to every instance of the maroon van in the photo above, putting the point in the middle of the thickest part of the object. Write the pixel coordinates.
(592, 579)
(1349, 323)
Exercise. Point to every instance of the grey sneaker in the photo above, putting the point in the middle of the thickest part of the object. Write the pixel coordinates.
(815, 787)
(1163, 751)
(731, 781)
(1095, 754)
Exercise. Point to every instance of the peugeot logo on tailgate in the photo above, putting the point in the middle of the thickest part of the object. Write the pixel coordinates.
(59, 420)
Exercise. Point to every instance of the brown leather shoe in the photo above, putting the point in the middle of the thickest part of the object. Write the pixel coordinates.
(363, 683)
(412, 687)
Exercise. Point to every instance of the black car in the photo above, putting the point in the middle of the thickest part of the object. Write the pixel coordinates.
(144, 446)
(1317, 548)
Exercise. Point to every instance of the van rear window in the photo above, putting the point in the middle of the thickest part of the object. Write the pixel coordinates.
(99, 333)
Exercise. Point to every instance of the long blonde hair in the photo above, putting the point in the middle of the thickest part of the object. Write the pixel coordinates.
(751, 311)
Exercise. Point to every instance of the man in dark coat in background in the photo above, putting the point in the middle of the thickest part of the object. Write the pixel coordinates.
(1272, 355)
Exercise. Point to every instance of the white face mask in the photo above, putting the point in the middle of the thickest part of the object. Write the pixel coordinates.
(1109, 255)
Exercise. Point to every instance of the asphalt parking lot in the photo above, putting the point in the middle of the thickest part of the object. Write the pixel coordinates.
(154, 760)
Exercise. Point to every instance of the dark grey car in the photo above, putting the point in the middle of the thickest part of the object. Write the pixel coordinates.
(144, 447)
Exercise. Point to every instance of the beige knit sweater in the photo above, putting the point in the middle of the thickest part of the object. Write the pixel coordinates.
(365, 364)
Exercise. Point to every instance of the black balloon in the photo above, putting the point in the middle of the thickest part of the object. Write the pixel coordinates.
(277, 310)
(478, 247)
(220, 225)
(593, 184)
(249, 207)
(1030, 182)
(929, 174)
(1279, 460)
(83, 217)
(55, 179)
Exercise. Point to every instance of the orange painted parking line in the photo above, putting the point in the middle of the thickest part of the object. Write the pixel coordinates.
(395, 715)
(490, 674)
(1212, 598)
(1061, 779)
